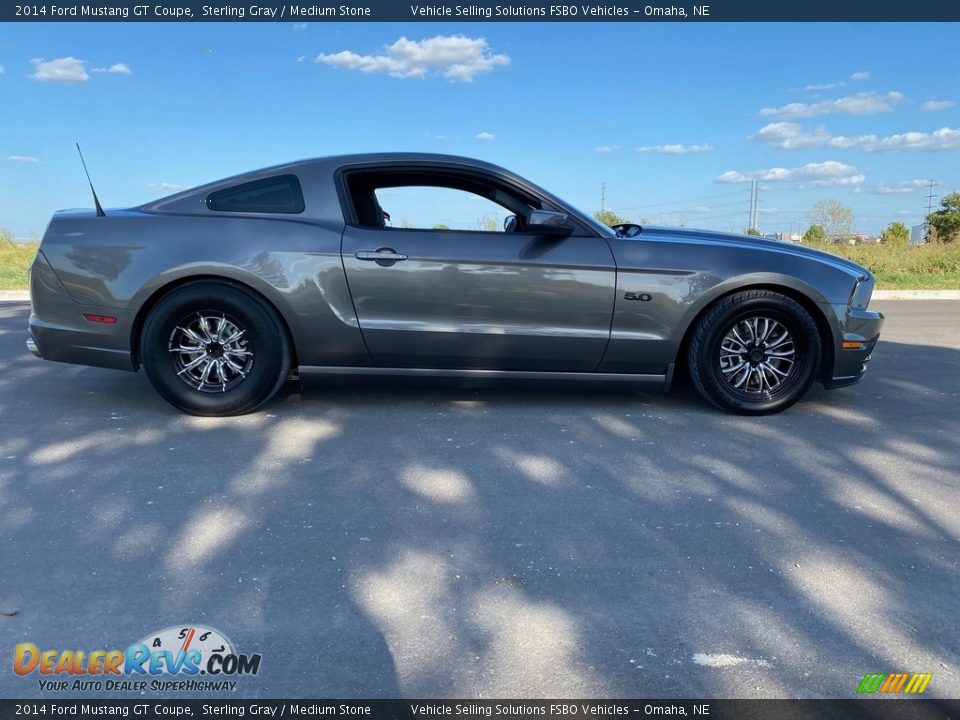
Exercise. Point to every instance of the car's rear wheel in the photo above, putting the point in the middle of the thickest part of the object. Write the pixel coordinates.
(213, 349)
(754, 353)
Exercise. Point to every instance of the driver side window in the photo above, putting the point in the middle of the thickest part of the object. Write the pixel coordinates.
(413, 198)
(440, 208)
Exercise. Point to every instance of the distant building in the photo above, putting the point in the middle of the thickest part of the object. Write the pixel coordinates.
(843, 239)
(863, 238)
(788, 237)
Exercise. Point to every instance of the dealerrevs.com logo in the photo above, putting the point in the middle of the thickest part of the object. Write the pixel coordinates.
(188, 658)
(894, 683)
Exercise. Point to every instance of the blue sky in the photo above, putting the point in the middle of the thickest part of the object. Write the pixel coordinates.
(675, 119)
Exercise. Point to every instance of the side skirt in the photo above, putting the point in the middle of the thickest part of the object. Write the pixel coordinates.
(325, 373)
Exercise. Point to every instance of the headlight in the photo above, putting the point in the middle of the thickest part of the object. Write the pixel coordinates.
(860, 295)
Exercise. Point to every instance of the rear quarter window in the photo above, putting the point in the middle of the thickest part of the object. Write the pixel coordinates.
(279, 194)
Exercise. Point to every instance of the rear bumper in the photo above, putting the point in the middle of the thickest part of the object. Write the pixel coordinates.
(70, 345)
(861, 331)
(59, 331)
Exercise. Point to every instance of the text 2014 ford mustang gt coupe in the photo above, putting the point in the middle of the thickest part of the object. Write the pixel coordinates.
(220, 292)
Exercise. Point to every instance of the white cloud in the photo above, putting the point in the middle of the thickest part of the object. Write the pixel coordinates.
(299, 26)
(849, 180)
(822, 174)
(864, 103)
(934, 105)
(455, 57)
(608, 148)
(115, 69)
(22, 159)
(63, 70)
(674, 149)
(791, 136)
(943, 139)
(899, 188)
(825, 86)
(701, 209)
(2, 71)
(165, 186)
(860, 75)
(485, 136)
(301, 58)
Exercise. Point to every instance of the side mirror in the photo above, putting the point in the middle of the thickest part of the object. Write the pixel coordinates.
(510, 223)
(548, 222)
(627, 229)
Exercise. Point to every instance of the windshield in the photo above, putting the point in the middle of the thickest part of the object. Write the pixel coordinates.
(597, 225)
(585, 218)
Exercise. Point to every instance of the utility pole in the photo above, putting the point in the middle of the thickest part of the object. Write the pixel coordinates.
(926, 223)
(603, 197)
(754, 193)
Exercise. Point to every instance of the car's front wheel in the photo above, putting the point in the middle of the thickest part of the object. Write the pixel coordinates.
(212, 349)
(755, 352)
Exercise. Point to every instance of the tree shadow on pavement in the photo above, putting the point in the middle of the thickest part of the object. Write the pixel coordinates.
(375, 541)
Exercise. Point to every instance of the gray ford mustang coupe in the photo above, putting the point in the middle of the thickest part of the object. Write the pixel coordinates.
(222, 292)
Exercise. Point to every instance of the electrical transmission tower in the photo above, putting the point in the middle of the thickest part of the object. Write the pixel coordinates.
(754, 197)
(926, 221)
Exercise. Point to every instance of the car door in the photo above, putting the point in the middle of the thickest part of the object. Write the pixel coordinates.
(480, 299)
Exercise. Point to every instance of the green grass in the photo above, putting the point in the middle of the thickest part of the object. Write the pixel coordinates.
(907, 267)
(14, 259)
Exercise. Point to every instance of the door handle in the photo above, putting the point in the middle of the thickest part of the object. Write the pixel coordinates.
(381, 256)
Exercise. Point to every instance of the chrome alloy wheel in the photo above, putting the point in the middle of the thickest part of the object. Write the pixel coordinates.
(758, 356)
(210, 352)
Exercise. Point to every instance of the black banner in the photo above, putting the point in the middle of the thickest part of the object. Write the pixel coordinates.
(446, 11)
(875, 709)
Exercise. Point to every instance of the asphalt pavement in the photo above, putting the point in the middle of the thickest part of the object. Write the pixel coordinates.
(375, 541)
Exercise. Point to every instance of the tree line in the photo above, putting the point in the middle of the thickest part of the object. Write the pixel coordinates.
(831, 221)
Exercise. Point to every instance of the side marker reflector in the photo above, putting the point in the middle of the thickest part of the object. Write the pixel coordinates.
(852, 345)
(105, 319)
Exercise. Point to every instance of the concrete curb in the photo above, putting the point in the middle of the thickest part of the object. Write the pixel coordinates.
(23, 296)
(916, 294)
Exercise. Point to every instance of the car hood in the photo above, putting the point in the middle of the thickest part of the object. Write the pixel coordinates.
(733, 240)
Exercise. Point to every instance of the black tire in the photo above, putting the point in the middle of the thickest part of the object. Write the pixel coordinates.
(262, 352)
(740, 340)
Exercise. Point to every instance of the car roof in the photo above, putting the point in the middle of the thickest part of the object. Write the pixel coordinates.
(332, 162)
(315, 174)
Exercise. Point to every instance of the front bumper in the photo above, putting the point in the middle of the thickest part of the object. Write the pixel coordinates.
(861, 331)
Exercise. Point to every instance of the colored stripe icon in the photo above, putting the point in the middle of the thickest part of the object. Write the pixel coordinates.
(892, 683)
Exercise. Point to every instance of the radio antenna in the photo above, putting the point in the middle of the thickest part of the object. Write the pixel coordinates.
(96, 200)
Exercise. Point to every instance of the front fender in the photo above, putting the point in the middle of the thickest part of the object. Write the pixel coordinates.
(775, 281)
